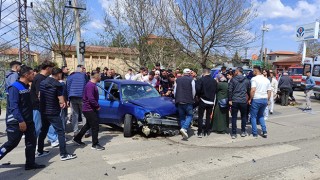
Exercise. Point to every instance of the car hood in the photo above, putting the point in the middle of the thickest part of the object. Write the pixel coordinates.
(162, 105)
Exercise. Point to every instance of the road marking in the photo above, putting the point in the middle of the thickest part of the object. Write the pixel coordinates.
(189, 169)
(148, 152)
(304, 170)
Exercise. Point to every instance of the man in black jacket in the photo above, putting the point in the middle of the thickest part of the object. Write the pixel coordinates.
(285, 85)
(238, 91)
(206, 90)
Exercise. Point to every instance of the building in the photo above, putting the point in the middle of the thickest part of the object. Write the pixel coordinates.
(119, 59)
(285, 63)
(12, 54)
(279, 55)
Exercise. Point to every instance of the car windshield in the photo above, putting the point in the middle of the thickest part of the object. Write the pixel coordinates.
(138, 91)
(295, 71)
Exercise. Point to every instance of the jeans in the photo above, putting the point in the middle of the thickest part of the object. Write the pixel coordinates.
(92, 121)
(14, 136)
(37, 121)
(243, 107)
(308, 95)
(55, 121)
(64, 117)
(185, 115)
(284, 96)
(76, 111)
(208, 108)
(258, 107)
(52, 135)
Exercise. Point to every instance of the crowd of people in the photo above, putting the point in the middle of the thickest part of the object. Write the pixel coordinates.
(38, 101)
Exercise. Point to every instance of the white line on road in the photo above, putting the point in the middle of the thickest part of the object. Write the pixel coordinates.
(184, 170)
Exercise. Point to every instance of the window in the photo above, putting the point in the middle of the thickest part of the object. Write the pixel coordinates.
(270, 58)
(306, 67)
(114, 91)
(138, 91)
(316, 70)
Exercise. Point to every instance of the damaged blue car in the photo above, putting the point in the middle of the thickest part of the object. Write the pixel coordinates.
(136, 106)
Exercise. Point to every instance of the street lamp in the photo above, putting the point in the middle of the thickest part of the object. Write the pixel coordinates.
(264, 29)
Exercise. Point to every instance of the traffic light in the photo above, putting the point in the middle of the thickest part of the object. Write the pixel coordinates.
(82, 47)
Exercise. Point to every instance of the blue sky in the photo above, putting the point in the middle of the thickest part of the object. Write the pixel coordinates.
(280, 16)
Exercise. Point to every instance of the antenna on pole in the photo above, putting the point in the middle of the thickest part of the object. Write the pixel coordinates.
(264, 29)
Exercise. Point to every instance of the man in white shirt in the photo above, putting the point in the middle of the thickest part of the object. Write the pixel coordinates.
(130, 75)
(259, 97)
(139, 77)
(150, 79)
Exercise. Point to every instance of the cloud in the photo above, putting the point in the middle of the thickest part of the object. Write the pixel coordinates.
(96, 24)
(272, 9)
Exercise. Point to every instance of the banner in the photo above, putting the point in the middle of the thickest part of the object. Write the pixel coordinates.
(307, 32)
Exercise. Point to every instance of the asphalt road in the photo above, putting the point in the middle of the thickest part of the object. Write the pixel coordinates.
(291, 151)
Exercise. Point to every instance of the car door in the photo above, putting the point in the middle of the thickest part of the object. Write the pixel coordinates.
(109, 102)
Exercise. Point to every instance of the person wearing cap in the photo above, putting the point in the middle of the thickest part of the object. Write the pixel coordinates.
(184, 93)
(19, 119)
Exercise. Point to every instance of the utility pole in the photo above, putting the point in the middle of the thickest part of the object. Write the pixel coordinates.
(246, 52)
(24, 48)
(264, 29)
(80, 56)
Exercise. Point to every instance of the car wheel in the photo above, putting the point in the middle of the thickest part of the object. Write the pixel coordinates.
(128, 126)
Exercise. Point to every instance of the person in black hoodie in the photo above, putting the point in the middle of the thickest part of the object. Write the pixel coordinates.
(285, 86)
(239, 91)
(206, 90)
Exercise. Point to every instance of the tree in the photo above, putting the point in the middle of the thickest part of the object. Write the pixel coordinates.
(236, 59)
(135, 19)
(313, 48)
(207, 26)
(119, 41)
(54, 27)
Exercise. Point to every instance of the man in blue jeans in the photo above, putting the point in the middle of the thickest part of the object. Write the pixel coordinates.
(52, 101)
(185, 91)
(259, 96)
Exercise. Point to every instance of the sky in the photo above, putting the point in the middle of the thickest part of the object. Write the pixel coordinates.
(281, 17)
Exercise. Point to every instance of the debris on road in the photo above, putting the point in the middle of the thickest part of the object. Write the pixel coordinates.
(237, 157)
(253, 160)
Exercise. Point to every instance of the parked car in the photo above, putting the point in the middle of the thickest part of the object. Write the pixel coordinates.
(136, 106)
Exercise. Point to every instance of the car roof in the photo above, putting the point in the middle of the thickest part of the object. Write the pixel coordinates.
(120, 82)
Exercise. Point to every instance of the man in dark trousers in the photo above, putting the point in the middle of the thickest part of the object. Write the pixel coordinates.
(90, 110)
(19, 119)
(52, 101)
(285, 86)
(206, 90)
(185, 92)
(238, 92)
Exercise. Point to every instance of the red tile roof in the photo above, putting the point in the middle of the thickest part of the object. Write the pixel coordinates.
(113, 50)
(282, 53)
(13, 51)
(293, 59)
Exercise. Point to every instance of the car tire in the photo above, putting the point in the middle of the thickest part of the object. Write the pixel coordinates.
(128, 126)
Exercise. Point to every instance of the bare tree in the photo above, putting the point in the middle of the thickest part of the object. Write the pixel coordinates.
(205, 26)
(313, 48)
(53, 26)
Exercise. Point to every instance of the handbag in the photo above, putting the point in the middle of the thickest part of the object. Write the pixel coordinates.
(223, 103)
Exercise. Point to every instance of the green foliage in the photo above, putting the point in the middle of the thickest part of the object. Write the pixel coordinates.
(119, 41)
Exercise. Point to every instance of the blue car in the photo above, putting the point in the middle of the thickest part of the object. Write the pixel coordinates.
(136, 106)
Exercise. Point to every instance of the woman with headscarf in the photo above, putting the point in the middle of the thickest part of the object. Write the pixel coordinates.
(221, 110)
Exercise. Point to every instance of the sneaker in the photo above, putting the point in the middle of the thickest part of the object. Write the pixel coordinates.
(67, 157)
(98, 147)
(271, 112)
(264, 135)
(184, 133)
(200, 135)
(79, 143)
(55, 144)
(255, 135)
(23, 136)
(42, 154)
(233, 136)
(243, 134)
(34, 166)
